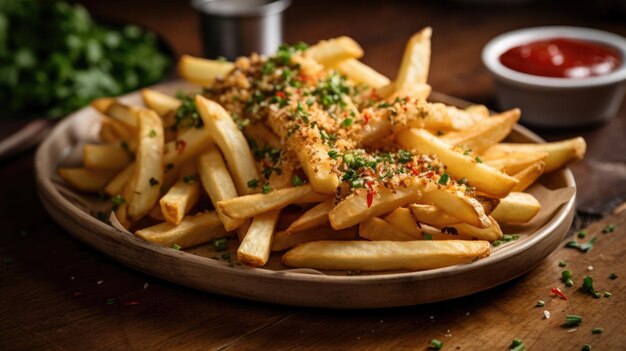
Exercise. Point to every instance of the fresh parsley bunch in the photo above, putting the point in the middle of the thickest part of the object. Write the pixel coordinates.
(55, 59)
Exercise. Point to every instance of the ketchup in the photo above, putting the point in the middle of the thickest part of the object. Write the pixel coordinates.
(562, 58)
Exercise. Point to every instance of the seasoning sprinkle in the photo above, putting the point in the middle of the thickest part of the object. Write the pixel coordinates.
(572, 320)
(582, 234)
(253, 183)
(597, 330)
(562, 264)
(176, 247)
(435, 344)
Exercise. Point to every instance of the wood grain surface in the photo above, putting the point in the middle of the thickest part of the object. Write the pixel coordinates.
(50, 297)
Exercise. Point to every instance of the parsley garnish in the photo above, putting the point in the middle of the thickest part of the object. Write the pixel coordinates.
(266, 189)
(117, 200)
(296, 181)
(253, 183)
(220, 244)
(608, 229)
(444, 179)
(332, 154)
(176, 247)
(152, 133)
(478, 159)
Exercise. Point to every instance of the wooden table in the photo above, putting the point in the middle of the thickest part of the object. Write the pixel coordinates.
(60, 294)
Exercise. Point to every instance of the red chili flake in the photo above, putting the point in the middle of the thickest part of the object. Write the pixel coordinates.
(429, 174)
(281, 94)
(559, 293)
(180, 145)
(77, 293)
(374, 94)
(132, 303)
(370, 193)
(366, 118)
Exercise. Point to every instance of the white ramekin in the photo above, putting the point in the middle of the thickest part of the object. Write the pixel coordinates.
(557, 102)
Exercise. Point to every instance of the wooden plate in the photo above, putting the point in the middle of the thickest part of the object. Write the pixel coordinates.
(276, 284)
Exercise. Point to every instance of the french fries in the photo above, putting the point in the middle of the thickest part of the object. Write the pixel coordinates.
(148, 175)
(481, 176)
(385, 255)
(333, 51)
(256, 245)
(231, 142)
(560, 153)
(248, 206)
(181, 197)
(106, 156)
(516, 208)
(217, 183)
(356, 208)
(283, 240)
(191, 231)
(313, 152)
(202, 71)
(86, 180)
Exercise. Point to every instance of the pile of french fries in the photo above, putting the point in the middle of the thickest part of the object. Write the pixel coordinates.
(364, 173)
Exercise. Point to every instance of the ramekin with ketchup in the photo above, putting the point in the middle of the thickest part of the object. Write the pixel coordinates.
(559, 76)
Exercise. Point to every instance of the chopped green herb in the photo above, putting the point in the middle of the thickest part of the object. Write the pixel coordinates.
(582, 234)
(540, 303)
(444, 179)
(478, 159)
(520, 347)
(153, 181)
(588, 245)
(266, 189)
(152, 133)
(220, 244)
(190, 179)
(597, 330)
(428, 236)
(435, 344)
(346, 122)
(586, 347)
(296, 181)
(613, 276)
(117, 201)
(517, 345)
(253, 183)
(572, 244)
(565, 275)
(332, 154)
(496, 243)
(507, 237)
(608, 229)
(569, 283)
(607, 294)
(176, 247)
(572, 320)
(404, 156)
(562, 264)
(588, 287)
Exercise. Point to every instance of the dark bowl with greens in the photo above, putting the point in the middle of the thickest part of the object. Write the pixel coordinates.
(54, 58)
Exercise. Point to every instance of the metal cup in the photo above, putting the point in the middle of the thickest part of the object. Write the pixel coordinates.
(232, 28)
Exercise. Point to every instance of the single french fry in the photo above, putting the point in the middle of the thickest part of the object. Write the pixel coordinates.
(464, 230)
(148, 176)
(119, 130)
(314, 217)
(481, 176)
(116, 185)
(385, 255)
(283, 240)
(560, 153)
(528, 176)
(181, 197)
(187, 146)
(248, 206)
(202, 71)
(160, 103)
(121, 212)
(461, 119)
(86, 180)
(217, 183)
(330, 52)
(432, 215)
(457, 204)
(230, 141)
(254, 250)
(102, 104)
(355, 208)
(192, 230)
(415, 61)
(401, 219)
(105, 156)
(516, 208)
(376, 229)
(318, 167)
(123, 113)
(516, 162)
(484, 133)
(359, 72)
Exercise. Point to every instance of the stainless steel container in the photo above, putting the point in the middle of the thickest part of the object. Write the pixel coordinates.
(232, 28)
